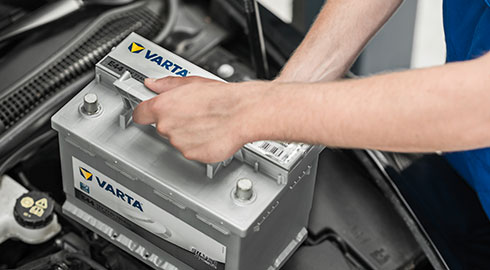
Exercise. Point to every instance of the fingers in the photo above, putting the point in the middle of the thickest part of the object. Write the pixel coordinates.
(168, 83)
(144, 113)
(209, 152)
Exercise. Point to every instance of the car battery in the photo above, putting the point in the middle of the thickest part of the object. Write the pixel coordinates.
(129, 185)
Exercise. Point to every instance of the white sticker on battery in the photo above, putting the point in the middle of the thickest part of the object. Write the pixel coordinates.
(283, 153)
(143, 212)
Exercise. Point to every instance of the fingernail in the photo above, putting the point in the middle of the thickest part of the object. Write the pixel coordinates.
(150, 80)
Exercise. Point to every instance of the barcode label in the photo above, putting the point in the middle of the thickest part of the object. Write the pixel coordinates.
(282, 153)
(274, 150)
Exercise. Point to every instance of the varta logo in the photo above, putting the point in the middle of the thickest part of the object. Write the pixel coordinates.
(119, 194)
(136, 47)
(86, 174)
(159, 60)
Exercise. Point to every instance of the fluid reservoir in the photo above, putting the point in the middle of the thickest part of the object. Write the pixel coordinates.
(27, 216)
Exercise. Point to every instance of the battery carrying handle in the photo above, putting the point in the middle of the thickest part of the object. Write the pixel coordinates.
(133, 93)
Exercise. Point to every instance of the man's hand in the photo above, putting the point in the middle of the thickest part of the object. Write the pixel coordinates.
(204, 119)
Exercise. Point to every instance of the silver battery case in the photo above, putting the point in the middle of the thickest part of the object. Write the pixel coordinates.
(129, 185)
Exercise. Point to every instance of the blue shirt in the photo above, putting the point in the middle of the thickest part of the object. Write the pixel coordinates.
(467, 29)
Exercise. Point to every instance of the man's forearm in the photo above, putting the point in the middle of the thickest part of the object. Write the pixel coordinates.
(444, 108)
(341, 30)
(437, 109)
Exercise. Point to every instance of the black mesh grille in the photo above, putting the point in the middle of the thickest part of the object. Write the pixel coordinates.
(77, 62)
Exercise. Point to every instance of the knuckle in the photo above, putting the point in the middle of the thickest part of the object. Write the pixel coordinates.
(188, 154)
(174, 141)
(161, 128)
(156, 105)
(153, 105)
(178, 143)
(168, 79)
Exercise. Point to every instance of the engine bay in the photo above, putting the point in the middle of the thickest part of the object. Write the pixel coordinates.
(347, 216)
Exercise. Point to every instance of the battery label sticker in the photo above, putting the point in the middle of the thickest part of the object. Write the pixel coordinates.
(119, 68)
(126, 207)
(282, 153)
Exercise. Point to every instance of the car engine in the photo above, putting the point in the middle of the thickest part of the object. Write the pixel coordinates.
(82, 187)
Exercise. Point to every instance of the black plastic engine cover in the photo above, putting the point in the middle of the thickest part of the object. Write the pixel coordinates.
(349, 205)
